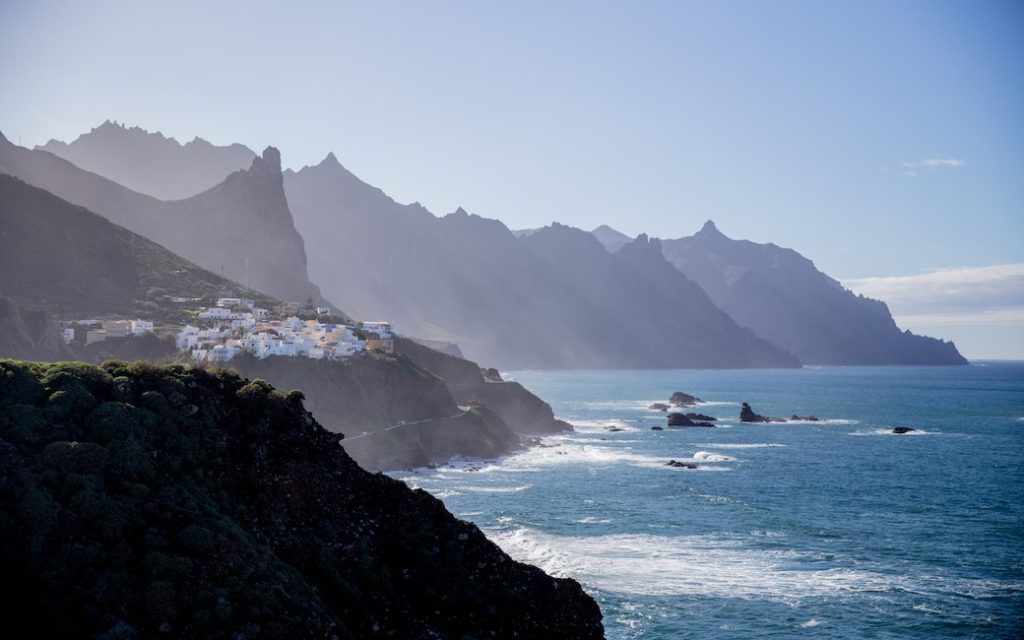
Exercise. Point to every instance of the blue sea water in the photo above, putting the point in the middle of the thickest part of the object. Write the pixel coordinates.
(835, 529)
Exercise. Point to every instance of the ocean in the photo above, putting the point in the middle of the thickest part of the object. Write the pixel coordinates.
(830, 529)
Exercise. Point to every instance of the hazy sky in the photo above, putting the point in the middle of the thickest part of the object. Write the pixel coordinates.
(877, 138)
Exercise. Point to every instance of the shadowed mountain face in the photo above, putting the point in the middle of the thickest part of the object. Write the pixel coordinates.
(554, 298)
(782, 296)
(242, 227)
(66, 259)
(151, 163)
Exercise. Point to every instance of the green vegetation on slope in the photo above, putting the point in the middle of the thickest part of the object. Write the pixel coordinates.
(139, 499)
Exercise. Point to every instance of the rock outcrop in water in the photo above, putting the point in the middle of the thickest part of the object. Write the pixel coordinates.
(681, 399)
(142, 501)
(747, 415)
(689, 420)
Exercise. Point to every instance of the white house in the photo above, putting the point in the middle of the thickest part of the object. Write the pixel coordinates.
(140, 327)
(381, 329)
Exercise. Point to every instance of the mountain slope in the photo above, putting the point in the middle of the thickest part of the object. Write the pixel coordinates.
(143, 501)
(612, 239)
(66, 259)
(515, 302)
(151, 163)
(241, 227)
(782, 296)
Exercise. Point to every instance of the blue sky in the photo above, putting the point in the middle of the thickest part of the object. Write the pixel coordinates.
(880, 139)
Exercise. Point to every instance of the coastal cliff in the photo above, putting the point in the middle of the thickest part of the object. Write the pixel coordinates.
(394, 414)
(141, 500)
(522, 411)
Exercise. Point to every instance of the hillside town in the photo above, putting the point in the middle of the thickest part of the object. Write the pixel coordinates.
(236, 326)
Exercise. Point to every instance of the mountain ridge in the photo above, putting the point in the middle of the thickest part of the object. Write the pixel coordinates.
(783, 297)
(151, 163)
(242, 225)
(504, 300)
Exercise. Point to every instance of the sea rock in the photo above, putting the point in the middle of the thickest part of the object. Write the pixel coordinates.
(659, 406)
(901, 430)
(700, 416)
(657, 428)
(680, 465)
(614, 429)
(681, 399)
(805, 418)
(747, 415)
(684, 420)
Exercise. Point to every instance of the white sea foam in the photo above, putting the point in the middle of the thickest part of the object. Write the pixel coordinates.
(516, 489)
(708, 566)
(708, 456)
(599, 426)
(810, 623)
(592, 520)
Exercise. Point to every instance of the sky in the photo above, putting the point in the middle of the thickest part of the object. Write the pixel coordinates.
(883, 140)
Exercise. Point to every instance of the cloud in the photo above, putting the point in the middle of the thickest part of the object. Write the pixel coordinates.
(992, 295)
(913, 167)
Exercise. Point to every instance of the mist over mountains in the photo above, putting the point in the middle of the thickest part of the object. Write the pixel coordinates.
(782, 296)
(555, 297)
(151, 163)
(241, 227)
(551, 299)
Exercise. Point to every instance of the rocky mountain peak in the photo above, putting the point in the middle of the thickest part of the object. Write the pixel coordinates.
(709, 229)
(272, 157)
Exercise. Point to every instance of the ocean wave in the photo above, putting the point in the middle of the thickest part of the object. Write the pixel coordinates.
(651, 565)
(708, 456)
(592, 520)
(752, 445)
(478, 489)
(599, 426)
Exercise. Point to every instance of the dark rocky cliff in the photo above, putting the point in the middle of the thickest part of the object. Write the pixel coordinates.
(29, 333)
(394, 414)
(522, 411)
(140, 501)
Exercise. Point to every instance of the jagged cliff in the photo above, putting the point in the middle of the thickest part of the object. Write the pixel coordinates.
(551, 299)
(151, 163)
(784, 298)
(140, 501)
(241, 228)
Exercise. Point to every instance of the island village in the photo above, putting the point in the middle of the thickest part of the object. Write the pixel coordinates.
(237, 325)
